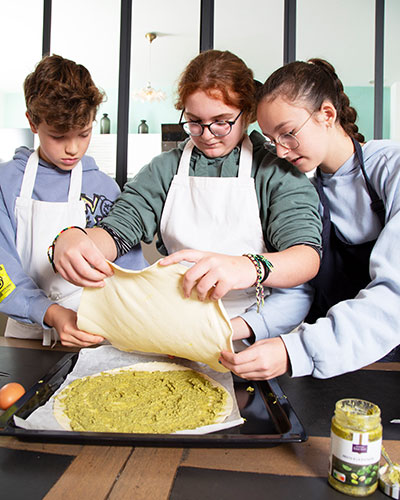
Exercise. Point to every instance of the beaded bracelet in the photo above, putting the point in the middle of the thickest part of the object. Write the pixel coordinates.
(267, 265)
(263, 267)
(50, 250)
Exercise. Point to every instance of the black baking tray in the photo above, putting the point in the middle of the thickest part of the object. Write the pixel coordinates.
(269, 418)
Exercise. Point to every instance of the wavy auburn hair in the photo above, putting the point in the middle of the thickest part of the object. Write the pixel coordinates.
(220, 74)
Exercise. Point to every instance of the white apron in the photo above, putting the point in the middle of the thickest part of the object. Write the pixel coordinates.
(38, 222)
(215, 214)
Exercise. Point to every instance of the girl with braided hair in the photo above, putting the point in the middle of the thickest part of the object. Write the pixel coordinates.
(353, 317)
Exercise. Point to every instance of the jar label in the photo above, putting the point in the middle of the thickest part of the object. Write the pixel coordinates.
(355, 462)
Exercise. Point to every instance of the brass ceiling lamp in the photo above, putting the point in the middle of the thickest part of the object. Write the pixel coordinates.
(148, 93)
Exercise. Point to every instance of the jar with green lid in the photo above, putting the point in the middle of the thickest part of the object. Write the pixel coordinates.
(356, 440)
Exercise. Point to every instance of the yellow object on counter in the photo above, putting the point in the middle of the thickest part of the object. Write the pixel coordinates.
(356, 440)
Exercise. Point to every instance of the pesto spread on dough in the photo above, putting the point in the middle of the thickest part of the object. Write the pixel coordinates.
(142, 402)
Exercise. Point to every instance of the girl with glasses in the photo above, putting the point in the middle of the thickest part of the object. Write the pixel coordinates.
(220, 193)
(353, 318)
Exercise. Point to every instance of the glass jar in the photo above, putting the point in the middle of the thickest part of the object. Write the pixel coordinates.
(105, 124)
(356, 441)
(143, 127)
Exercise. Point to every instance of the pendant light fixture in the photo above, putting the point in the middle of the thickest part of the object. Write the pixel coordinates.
(148, 93)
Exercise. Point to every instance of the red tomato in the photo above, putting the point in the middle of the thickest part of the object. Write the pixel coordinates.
(10, 393)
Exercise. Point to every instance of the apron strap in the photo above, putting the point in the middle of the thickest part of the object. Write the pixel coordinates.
(49, 337)
(184, 163)
(376, 205)
(28, 180)
(75, 183)
(326, 216)
(246, 158)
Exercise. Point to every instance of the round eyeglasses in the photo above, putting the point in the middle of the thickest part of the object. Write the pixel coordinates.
(219, 128)
(289, 140)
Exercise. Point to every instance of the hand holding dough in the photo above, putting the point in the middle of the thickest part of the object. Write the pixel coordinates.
(146, 311)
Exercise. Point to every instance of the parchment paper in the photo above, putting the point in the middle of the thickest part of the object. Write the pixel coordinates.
(96, 360)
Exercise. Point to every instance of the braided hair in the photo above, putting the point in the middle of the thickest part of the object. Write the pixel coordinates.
(313, 81)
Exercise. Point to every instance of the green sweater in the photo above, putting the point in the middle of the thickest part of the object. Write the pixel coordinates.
(287, 200)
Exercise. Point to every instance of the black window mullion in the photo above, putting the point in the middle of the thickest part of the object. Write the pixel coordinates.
(47, 4)
(121, 173)
(379, 71)
(206, 25)
(289, 32)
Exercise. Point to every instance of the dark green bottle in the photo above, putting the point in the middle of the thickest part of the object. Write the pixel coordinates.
(105, 124)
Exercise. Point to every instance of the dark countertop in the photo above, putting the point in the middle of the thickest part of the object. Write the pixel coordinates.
(294, 470)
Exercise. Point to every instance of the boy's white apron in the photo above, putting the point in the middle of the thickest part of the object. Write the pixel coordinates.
(37, 224)
(216, 214)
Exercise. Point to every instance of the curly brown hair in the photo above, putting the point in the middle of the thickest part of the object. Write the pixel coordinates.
(62, 94)
(224, 73)
(314, 82)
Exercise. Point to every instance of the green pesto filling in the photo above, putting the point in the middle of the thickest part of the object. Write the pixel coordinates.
(143, 402)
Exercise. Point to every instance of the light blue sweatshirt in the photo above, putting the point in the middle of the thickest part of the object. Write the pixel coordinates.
(27, 302)
(362, 330)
